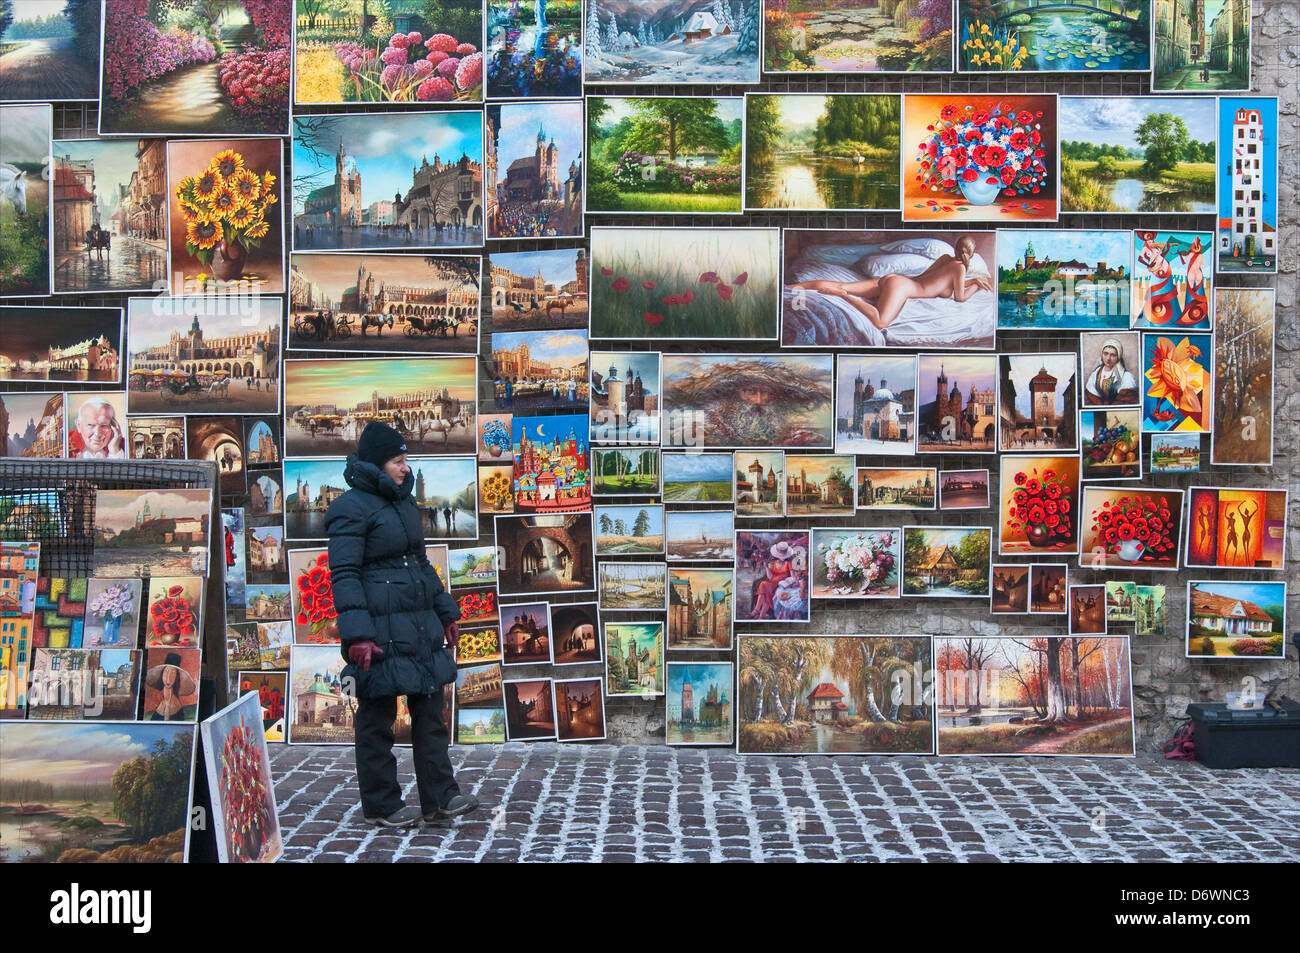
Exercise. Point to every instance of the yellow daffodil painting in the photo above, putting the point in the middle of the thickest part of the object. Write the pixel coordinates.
(1175, 396)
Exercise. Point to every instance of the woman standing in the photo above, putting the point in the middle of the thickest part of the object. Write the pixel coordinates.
(397, 625)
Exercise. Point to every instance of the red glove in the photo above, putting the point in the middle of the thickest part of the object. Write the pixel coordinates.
(451, 634)
(361, 653)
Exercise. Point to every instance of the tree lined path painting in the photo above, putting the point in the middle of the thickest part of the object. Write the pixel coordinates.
(49, 50)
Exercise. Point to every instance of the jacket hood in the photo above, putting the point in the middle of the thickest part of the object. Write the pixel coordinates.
(368, 478)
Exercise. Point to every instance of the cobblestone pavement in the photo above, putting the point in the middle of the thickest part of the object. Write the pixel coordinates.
(548, 802)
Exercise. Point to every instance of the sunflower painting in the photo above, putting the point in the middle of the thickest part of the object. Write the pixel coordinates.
(225, 215)
(1177, 387)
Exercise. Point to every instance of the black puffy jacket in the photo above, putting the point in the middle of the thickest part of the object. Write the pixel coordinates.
(385, 588)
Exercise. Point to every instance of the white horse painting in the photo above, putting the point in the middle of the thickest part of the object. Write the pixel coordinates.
(13, 187)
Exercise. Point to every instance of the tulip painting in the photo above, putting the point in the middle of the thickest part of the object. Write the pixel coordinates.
(698, 284)
(1176, 395)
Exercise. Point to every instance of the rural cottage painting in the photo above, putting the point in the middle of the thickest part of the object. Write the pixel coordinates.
(665, 42)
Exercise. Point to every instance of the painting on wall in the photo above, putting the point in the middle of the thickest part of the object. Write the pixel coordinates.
(1010, 589)
(26, 221)
(320, 712)
(626, 472)
(699, 535)
(1120, 600)
(537, 290)
(960, 409)
(67, 347)
(1248, 165)
(51, 52)
(550, 464)
(577, 633)
(151, 532)
(748, 400)
(1175, 453)
(856, 563)
(624, 410)
(881, 488)
(1176, 387)
(92, 684)
(246, 824)
(525, 633)
(693, 477)
(1088, 610)
(545, 554)
(1149, 610)
(79, 784)
(529, 715)
(1112, 444)
(478, 686)
(629, 530)
(904, 289)
(1063, 279)
(875, 397)
(579, 709)
(1242, 425)
(1240, 620)
(855, 694)
(1139, 154)
(1042, 695)
(820, 484)
(772, 575)
(802, 37)
(1109, 361)
(1223, 64)
(1173, 280)
(951, 174)
(1001, 39)
(634, 658)
(964, 490)
(659, 42)
(37, 422)
(1038, 402)
(699, 609)
(272, 691)
(700, 703)
(623, 585)
(478, 644)
(155, 438)
(1049, 585)
(1130, 528)
(760, 483)
(171, 684)
(811, 152)
(311, 596)
(347, 168)
(644, 283)
(533, 54)
(951, 561)
(1236, 529)
(534, 143)
(112, 613)
(662, 154)
(480, 726)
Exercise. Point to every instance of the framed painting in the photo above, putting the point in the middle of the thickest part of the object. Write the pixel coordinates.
(1177, 385)
(772, 581)
(52, 52)
(634, 659)
(321, 713)
(624, 410)
(479, 644)
(1010, 590)
(62, 347)
(545, 554)
(699, 703)
(384, 304)
(550, 463)
(1092, 39)
(1223, 66)
(844, 37)
(577, 633)
(630, 530)
(535, 197)
(531, 55)
(626, 472)
(820, 484)
(539, 290)
(823, 153)
(112, 613)
(479, 686)
(155, 438)
(760, 483)
(346, 167)
(495, 493)
(951, 561)
(1109, 359)
(875, 397)
(267, 603)
(1236, 529)
(171, 684)
(151, 532)
(702, 477)
(833, 704)
(1130, 528)
(540, 370)
(904, 289)
(1088, 610)
(1112, 444)
(961, 415)
(947, 178)
(1038, 402)
(174, 614)
(964, 490)
(662, 44)
(163, 70)
(311, 595)
(1241, 432)
(1172, 280)
(1175, 453)
(245, 819)
(579, 709)
(1149, 610)
(1059, 279)
(856, 563)
(221, 440)
(529, 712)
(480, 726)
(645, 283)
(470, 566)
(660, 154)
(1248, 166)
(1237, 620)
(623, 585)
(72, 684)
(743, 401)
(1028, 709)
(699, 535)
(881, 488)
(272, 691)
(699, 609)
(1120, 599)
(1139, 154)
(43, 436)
(1049, 586)
(525, 633)
(27, 220)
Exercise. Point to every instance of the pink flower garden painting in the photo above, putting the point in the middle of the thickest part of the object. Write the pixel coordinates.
(188, 67)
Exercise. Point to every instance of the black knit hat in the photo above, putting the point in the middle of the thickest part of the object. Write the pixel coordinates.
(379, 443)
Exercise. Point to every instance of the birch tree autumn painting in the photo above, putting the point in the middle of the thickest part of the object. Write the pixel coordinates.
(1047, 695)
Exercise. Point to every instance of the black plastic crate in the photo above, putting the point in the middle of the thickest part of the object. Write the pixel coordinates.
(1256, 738)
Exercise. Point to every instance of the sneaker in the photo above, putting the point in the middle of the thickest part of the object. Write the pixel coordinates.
(458, 805)
(402, 817)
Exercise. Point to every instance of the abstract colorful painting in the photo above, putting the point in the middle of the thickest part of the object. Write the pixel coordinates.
(1248, 165)
(1173, 275)
(1236, 529)
(551, 464)
(855, 694)
(1176, 384)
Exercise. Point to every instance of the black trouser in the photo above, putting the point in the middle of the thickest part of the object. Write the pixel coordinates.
(377, 766)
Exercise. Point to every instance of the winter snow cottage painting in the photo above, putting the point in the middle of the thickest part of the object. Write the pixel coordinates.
(710, 41)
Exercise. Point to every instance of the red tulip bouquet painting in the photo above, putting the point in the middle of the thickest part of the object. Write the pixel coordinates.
(976, 158)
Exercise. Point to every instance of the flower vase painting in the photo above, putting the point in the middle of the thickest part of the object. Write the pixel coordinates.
(175, 613)
(192, 67)
(856, 564)
(1177, 383)
(1040, 506)
(976, 158)
(246, 823)
(441, 62)
(226, 231)
(112, 613)
(1130, 528)
(315, 620)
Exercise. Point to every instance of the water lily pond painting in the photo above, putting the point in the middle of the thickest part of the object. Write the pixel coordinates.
(1085, 36)
(846, 36)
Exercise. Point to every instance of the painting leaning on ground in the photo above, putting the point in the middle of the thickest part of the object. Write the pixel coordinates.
(49, 50)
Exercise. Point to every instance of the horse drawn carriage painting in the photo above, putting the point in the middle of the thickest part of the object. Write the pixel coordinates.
(430, 401)
(203, 356)
(389, 304)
